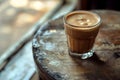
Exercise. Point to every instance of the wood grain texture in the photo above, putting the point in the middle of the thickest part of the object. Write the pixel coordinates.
(54, 62)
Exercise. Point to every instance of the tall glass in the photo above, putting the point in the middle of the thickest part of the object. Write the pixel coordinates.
(81, 29)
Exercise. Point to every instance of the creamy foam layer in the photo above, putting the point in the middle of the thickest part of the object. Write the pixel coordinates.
(82, 19)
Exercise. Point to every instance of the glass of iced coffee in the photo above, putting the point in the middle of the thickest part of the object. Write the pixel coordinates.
(81, 29)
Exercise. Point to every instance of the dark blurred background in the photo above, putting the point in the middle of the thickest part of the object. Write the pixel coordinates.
(99, 4)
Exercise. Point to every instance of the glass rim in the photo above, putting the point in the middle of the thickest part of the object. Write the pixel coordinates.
(87, 27)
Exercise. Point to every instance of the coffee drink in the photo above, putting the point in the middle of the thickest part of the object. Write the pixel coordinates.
(81, 29)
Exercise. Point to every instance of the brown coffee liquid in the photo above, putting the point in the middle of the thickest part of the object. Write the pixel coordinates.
(81, 30)
(82, 19)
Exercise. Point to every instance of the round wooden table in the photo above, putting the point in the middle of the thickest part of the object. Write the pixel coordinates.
(54, 62)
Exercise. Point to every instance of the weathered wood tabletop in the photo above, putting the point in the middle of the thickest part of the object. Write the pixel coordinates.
(54, 63)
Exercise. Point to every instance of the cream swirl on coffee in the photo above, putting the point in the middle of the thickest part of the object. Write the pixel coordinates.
(82, 19)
